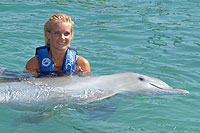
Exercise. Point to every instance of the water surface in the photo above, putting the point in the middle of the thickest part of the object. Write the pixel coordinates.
(159, 38)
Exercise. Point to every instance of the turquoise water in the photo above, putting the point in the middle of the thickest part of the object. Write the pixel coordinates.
(159, 38)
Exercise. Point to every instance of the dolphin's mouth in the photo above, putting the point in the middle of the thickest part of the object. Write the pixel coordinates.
(180, 91)
(156, 86)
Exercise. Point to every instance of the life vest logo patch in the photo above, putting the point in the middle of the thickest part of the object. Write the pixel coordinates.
(70, 61)
(46, 62)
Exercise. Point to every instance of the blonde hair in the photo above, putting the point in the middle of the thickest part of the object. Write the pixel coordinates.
(56, 18)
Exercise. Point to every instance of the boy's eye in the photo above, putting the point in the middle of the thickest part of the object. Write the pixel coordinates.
(66, 33)
(57, 33)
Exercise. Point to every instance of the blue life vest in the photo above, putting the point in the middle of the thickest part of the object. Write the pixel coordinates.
(47, 65)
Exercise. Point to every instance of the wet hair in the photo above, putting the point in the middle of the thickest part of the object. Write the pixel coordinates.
(56, 18)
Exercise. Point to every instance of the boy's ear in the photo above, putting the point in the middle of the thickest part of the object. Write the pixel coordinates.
(47, 35)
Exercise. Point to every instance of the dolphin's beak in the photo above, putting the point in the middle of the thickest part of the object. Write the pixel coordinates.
(180, 91)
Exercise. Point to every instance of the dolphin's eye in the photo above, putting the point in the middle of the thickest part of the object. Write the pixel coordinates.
(141, 78)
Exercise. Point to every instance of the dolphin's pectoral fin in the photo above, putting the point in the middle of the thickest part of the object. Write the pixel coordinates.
(103, 110)
(98, 98)
(30, 117)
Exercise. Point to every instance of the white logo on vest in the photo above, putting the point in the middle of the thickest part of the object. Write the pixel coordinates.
(70, 60)
(46, 62)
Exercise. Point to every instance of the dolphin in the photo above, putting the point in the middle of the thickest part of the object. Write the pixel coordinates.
(37, 94)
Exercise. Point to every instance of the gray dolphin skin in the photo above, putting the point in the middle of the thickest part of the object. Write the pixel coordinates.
(43, 93)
